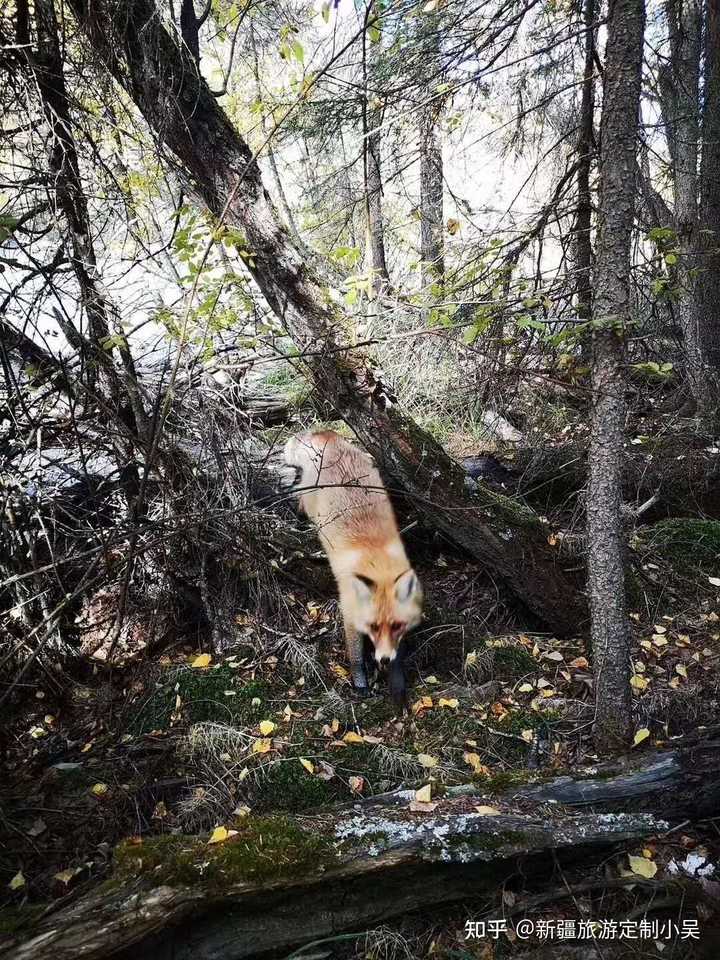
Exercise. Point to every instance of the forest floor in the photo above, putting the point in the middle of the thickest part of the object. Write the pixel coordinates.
(187, 743)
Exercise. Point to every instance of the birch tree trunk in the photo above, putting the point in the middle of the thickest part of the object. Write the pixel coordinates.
(372, 122)
(130, 40)
(610, 632)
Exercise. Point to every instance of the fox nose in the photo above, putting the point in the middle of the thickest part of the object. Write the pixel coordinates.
(384, 661)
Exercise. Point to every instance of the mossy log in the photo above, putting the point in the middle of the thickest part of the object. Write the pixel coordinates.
(279, 881)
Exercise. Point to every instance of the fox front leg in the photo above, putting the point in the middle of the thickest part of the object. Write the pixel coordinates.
(356, 655)
(396, 679)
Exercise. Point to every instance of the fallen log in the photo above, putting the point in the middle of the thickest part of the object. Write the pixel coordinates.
(683, 479)
(365, 865)
(281, 882)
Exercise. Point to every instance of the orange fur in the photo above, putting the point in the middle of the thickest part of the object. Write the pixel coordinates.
(343, 494)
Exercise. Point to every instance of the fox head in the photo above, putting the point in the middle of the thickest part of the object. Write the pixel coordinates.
(386, 610)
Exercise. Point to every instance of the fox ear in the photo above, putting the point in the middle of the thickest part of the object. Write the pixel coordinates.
(364, 586)
(406, 585)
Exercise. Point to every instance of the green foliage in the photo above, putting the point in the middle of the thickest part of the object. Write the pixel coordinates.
(653, 371)
(8, 223)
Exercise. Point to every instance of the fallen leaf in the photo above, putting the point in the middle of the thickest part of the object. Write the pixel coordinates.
(99, 789)
(352, 737)
(642, 867)
(425, 760)
(680, 668)
(17, 881)
(424, 794)
(453, 225)
(308, 764)
(580, 663)
(266, 727)
(356, 784)
(202, 661)
(528, 735)
(526, 688)
(39, 826)
(65, 876)
(638, 682)
(431, 679)
(417, 806)
(37, 732)
(487, 811)
(641, 735)
(452, 703)
(220, 834)
(262, 745)
(242, 811)
(715, 581)
(424, 703)
(659, 628)
(554, 655)
(473, 760)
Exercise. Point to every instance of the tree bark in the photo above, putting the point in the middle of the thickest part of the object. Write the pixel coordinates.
(710, 202)
(372, 121)
(610, 632)
(583, 222)
(680, 97)
(131, 41)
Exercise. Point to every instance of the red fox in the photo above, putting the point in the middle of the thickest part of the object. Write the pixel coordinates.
(380, 594)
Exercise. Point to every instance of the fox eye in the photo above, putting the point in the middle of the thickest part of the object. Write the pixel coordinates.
(396, 626)
(374, 627)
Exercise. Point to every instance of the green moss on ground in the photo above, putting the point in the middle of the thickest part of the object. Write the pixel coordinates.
(686, 542)
(203, 697)
(264, 849)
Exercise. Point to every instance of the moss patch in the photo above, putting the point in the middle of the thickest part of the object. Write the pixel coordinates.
(686, 542)
(265, 848)
(203, 696)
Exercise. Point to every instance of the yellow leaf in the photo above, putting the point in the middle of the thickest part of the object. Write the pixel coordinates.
(242, 811)
(65, 876)
(424, 794)
(453, 225)
(431, 679)
(638, 682)
(528, 735)
(659, 628)
(473, 760)
(425, 760)
(471, 659)
(37, 732)
(452, 703)
(642, 867)
(17, 881)
(262, 745)
(220, 834)
(486, 811)
(99, 789)
(356, 784)
(641, 735)
(266, 727)
(680, 668)
(202, 661)
(308, 764)
(351, 737)
(525, 688)
(424, 703)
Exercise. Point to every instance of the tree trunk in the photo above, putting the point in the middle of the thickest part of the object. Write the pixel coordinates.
(130, 39)
(680, 96)
(583, 221)
(610, 633)
(432, 254)
(372, 121)
(710, 202)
